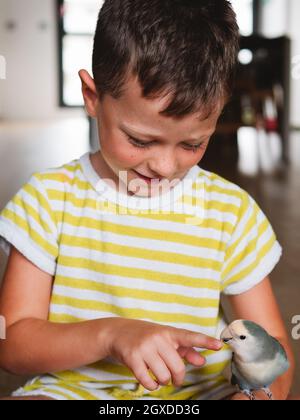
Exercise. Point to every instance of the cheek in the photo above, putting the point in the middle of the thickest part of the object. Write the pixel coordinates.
(190, 159)
(121, 154)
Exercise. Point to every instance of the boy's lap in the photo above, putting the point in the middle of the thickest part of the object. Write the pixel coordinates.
(32, 398)
(44, 398)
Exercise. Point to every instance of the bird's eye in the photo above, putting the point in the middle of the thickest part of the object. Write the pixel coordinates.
(243, 337)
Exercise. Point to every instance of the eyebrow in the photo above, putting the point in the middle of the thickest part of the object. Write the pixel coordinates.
(138, 136)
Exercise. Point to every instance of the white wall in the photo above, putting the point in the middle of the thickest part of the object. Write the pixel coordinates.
(31, 88)
(275, 17)
(294, 32)
(281, 17)
(2, 13)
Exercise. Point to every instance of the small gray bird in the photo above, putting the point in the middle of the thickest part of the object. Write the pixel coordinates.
(258, 359)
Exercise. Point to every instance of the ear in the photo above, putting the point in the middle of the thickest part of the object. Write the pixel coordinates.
(89, 93)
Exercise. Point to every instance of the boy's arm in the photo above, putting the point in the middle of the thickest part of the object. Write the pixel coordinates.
(33, 345)
(259, 305)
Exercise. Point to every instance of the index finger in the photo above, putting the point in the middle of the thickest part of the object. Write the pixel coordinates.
(186, 338)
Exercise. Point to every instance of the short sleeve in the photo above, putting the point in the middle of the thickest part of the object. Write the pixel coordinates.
(252, 252)
(28, 223)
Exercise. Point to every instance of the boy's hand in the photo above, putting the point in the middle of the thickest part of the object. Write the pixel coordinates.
(144, 346)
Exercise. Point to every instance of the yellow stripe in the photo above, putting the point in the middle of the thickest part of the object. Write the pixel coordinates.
(74, 376)
(172, 393)
(212, 188)
(57, 392)
(135, 252)
(36, 194)
(251, 223)
(199, 242)
(83, 185)
(112, 368)
(245, 272)
(248, 250)
(138, 232)
(131, 312)
(73, 199)
(29, 389)
(125, 292)
(79, 391)
(30, 211)
(23, 224)
(159, 215)
(211, 204)
(72, 167)
(99, 367)
(64, 318)
(211, 369)
(63, 178)
(139, 273)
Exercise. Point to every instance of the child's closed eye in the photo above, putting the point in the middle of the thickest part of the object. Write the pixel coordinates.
(143, 145)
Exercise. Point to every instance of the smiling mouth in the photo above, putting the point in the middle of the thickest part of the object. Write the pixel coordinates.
(146, 178)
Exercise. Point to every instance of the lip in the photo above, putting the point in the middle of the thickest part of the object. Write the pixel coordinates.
(145, 178)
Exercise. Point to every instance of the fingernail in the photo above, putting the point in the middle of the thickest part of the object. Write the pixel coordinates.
(218, 344)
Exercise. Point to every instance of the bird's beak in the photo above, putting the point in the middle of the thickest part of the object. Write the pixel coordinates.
(226, 336)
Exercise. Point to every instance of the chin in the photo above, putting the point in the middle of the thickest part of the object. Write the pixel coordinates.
(142, 193)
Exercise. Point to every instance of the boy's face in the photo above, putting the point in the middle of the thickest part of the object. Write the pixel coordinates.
(136, 139)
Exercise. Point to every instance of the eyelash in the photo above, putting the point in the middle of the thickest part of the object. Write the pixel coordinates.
(141, 145)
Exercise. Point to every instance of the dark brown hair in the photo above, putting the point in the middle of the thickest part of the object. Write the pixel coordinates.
(183, 48)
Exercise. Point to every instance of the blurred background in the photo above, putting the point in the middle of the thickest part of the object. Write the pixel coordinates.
(43, 44)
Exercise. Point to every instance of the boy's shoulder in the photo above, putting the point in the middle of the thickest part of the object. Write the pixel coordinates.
(226, 199)
(63, 175)
(216, 184)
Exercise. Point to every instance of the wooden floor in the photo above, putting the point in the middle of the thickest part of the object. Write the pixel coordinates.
(29, 147)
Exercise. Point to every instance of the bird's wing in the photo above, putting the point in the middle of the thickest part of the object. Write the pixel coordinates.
(238, 379)
(279, 348)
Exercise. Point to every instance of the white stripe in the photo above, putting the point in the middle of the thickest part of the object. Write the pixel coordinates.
(34, 202)
(11, 235)
(252, 257)
(136, 284)
(140, 263)
(144, 243)
(128, 218)
(212, 179)
(100, 375)
(141, 223)
(22, 393)
(85, 314)
(110, 212)
(242, 244)
(222, 198)
(31, 222)
(131, 303)
(258, 274)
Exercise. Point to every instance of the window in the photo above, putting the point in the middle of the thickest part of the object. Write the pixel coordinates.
(77, 23)
(245, 15)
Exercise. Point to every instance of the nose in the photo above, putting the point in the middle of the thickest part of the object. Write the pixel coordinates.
(164, 164)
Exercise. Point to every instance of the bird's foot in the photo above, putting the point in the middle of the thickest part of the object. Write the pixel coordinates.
(249, 394)
(269, 393)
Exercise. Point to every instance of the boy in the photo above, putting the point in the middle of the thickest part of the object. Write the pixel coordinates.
(117, 260)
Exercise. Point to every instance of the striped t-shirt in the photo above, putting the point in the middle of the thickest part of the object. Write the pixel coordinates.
(164, 259)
